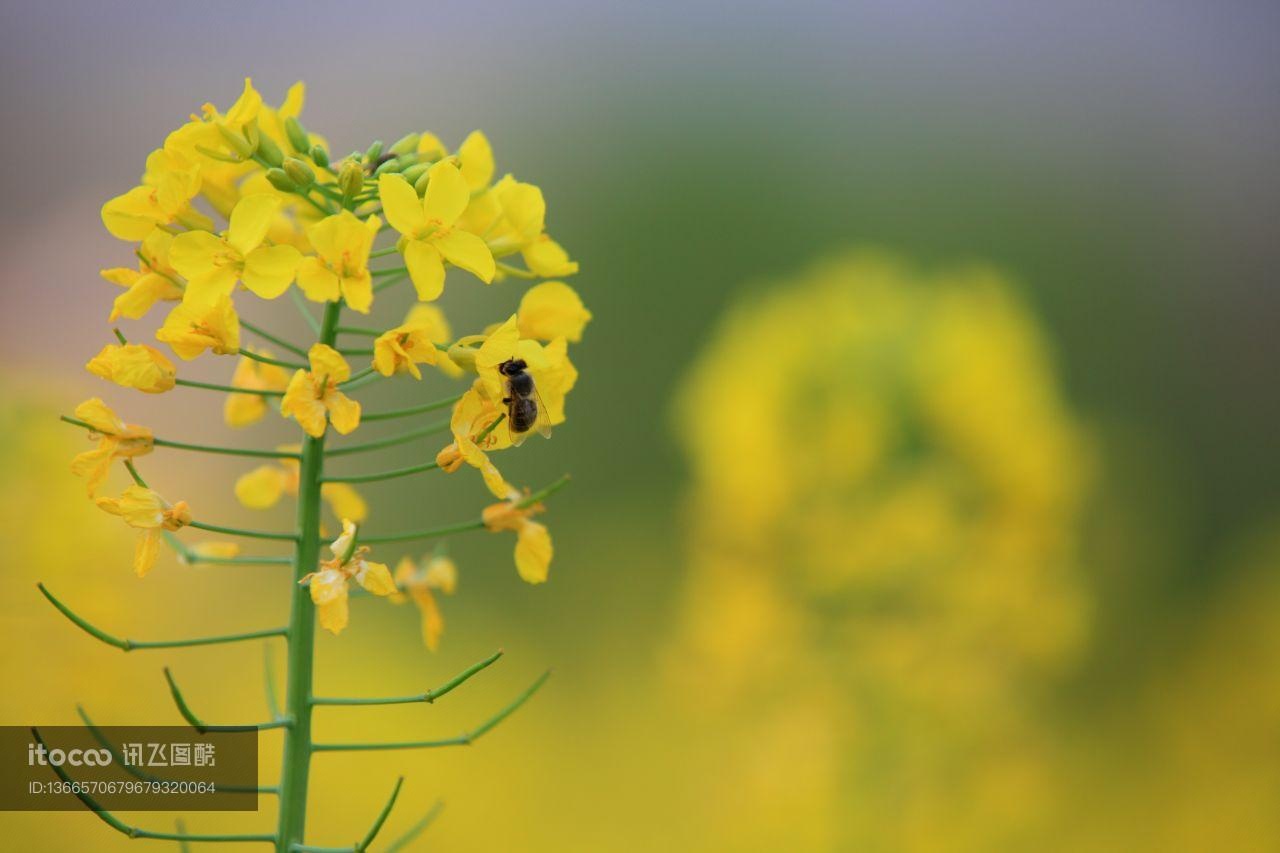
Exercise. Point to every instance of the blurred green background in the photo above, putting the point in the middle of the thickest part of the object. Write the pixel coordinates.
(1115, 162)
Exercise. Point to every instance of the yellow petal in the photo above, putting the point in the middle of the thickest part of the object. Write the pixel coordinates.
(533, 552)
(334, 614)
(357, 290)
(301, 404)
(250, 220)
(375, 577)
(426, 269)
(134, 366)
(269, 269)
(477, 161)
(145, 552)
(317, 281)
(442, 574)
(468, 251)
(345, 501)
(551, 310)
(547, 258)
(401, 205)
(328, 362)
(194, 253)
(344, 413)
(499, 346)
(447, 194)
(432, 620)
(261, 487)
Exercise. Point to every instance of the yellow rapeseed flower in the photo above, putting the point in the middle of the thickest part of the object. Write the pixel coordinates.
(163, 197)
(420, 584)
(116, 440)
(533, 550)
(427, 225)
(312, 395)
(474, 416)
(195, 326)
(241, 410)
(150, 283)
(144, 509)
(134, 366)
(329, 585)
(212, 265)
(552, 310)
(402, 349)
(340, 267)
(511, 217)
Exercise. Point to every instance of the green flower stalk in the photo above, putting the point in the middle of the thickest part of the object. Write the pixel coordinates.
(298, 223)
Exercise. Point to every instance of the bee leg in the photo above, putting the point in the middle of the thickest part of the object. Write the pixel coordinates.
(506, 400)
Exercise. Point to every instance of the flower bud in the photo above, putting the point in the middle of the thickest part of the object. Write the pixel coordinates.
(281, 181)
(320, 156)
(269, 151)
(415, 171)
(374, 151)
(299, 172)
(351, 178)
(421, 184)
(297, 135)
(237, 141)
(405, 144)
(464, 357)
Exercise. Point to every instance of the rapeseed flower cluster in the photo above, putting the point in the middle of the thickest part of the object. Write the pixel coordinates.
(887, 485)
(245, 203)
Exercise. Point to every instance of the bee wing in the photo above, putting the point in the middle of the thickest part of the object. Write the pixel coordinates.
(543, 423)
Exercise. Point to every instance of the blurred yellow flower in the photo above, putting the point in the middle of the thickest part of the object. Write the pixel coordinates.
(134, 366)
(328, 586)
(427, 224)
(263, 487)
(439, 574)
(164, 197)
(241, 410)
(340, 266)
(212, 265)
(313, 394)
(116, 440)
(887, 486)
(146, 510)
(193, 327)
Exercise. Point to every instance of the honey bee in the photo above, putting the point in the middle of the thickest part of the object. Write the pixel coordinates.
(525, 409)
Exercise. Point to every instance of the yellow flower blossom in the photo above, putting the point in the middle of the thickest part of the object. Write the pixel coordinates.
(164, 197)
(474, 157)
(193, 327)
(429, 315)
(552, 310)
(134, 366)
(116, 440)
(262, 488)
(150, 283)
(511, 218)
(311, 394)
(329, 585)
(533, 541)
(418, 582)
(402, 349)
(241, 410)
(553, 373)
(427, 226)
(212, 265)
(340, 267)
(144, 509)
(472, 424)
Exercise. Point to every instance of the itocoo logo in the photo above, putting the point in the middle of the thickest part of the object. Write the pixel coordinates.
(38, 754)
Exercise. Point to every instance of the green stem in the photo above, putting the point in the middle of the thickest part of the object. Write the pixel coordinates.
(201, 448)
(384, 475)
(417, 829)
(230, 389)
(428, 697)
(411, 410)
(403, 438)
(464, 739)
(293, 365)
(359, 330)
(267, 336)
(239, 531)
(129, 645)
(301, 632)
(202, 727)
